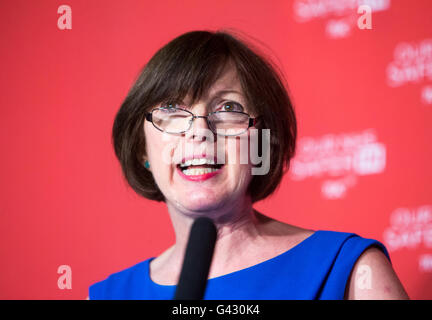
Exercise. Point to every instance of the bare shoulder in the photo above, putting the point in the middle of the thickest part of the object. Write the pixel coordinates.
(373, 278)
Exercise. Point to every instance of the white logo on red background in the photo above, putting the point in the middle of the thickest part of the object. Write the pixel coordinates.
(343, 157)
(343, 15)
(412, 64)
(425, 262)
(426, 95)
(411, 228)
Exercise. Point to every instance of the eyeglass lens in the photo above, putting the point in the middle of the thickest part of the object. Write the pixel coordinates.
(174, 120)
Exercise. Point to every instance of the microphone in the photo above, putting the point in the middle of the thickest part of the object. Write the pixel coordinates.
(197, 260)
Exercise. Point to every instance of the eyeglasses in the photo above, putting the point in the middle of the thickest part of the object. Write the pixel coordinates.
(177, 120)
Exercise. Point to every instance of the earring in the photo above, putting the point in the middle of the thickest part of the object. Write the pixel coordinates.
(146, 164)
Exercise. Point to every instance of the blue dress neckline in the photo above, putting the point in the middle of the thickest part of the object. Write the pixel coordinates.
(318, 267)
(238, 272)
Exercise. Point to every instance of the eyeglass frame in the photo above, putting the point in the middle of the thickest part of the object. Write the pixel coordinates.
(252, 121)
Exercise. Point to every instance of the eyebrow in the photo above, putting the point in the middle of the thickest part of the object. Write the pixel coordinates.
(221, 93)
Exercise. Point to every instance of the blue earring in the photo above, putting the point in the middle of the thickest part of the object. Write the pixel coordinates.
(146, 164)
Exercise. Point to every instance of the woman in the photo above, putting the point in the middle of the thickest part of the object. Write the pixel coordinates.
(215, 74)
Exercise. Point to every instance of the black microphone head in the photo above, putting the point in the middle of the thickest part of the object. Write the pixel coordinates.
(197, 260)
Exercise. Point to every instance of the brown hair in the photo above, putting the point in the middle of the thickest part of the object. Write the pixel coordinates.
(193, 62)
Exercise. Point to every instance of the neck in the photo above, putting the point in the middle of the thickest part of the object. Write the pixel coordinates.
(238, 227)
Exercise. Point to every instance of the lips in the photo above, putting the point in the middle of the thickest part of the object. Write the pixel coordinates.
(199, 167)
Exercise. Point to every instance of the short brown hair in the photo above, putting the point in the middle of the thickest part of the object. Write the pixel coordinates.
(193, 62)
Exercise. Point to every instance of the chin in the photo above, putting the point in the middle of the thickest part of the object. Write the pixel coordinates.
(202, 203)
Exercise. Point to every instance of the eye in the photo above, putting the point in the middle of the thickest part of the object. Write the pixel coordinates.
(232, 106)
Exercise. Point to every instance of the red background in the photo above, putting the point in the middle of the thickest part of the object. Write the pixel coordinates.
(63, 199)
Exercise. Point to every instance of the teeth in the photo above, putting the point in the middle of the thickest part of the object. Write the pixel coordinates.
(198, 171)
(196, 162)
(186, 164)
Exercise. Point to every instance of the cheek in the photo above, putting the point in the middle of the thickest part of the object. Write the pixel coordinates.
(239, 150)
(238, 155)
(159, 149)
(151, 144)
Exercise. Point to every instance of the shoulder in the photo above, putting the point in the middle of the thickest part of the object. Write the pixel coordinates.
(353, 267)
(373, 277)
(109, 287)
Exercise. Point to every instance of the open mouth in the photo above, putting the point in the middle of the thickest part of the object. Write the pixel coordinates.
(197, 170)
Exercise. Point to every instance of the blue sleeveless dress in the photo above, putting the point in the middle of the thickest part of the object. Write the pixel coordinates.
(316, 268)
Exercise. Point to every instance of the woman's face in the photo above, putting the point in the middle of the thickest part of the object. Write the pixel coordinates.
(223, 190)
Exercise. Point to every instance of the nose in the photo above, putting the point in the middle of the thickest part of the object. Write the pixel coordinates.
(200, 128)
